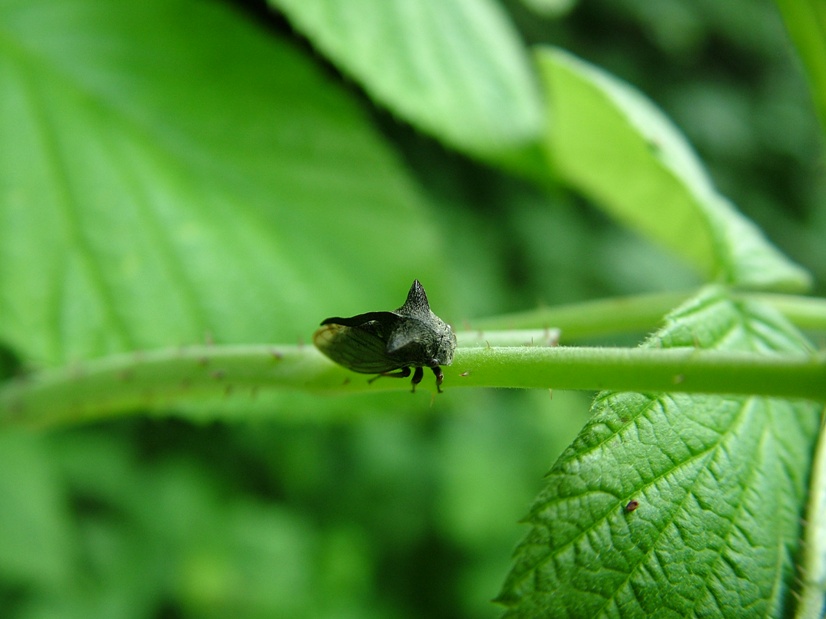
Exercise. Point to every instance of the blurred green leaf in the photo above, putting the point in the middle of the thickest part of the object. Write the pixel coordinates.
(160, 185)
(35, 539)
(720, 483)
(806, 22)
(191, 548)
(550, 8)
(615, 146)
(455, 69)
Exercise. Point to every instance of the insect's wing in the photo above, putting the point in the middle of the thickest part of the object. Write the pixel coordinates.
(361, 347)
(382, 319)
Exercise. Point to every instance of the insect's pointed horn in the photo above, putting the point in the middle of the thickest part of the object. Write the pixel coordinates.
(417, 297)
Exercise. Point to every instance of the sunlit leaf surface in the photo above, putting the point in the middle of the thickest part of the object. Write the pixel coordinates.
(717, 485)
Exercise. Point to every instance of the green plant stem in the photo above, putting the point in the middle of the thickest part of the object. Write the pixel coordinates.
(649, 370)
(808, 313)
(593, 318)
(643, 313)
(123, 383)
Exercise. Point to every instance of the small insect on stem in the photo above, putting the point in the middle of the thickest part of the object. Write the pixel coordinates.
(391, 343)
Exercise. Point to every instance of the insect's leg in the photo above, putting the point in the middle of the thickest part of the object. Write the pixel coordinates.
(402, 373)
(439, 377)
(417, 378)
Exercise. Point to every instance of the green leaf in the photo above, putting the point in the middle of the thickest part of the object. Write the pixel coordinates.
(35, 529)
(455, 68)
(719, 483)
(615, 146)
(169, 173)
(806, 22)
(550, 8)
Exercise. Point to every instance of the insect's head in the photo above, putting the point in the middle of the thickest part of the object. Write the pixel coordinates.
(445, 342)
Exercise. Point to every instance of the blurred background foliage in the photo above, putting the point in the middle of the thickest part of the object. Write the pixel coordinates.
(399, 507)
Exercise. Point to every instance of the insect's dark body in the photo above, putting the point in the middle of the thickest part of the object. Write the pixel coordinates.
(391, 343)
